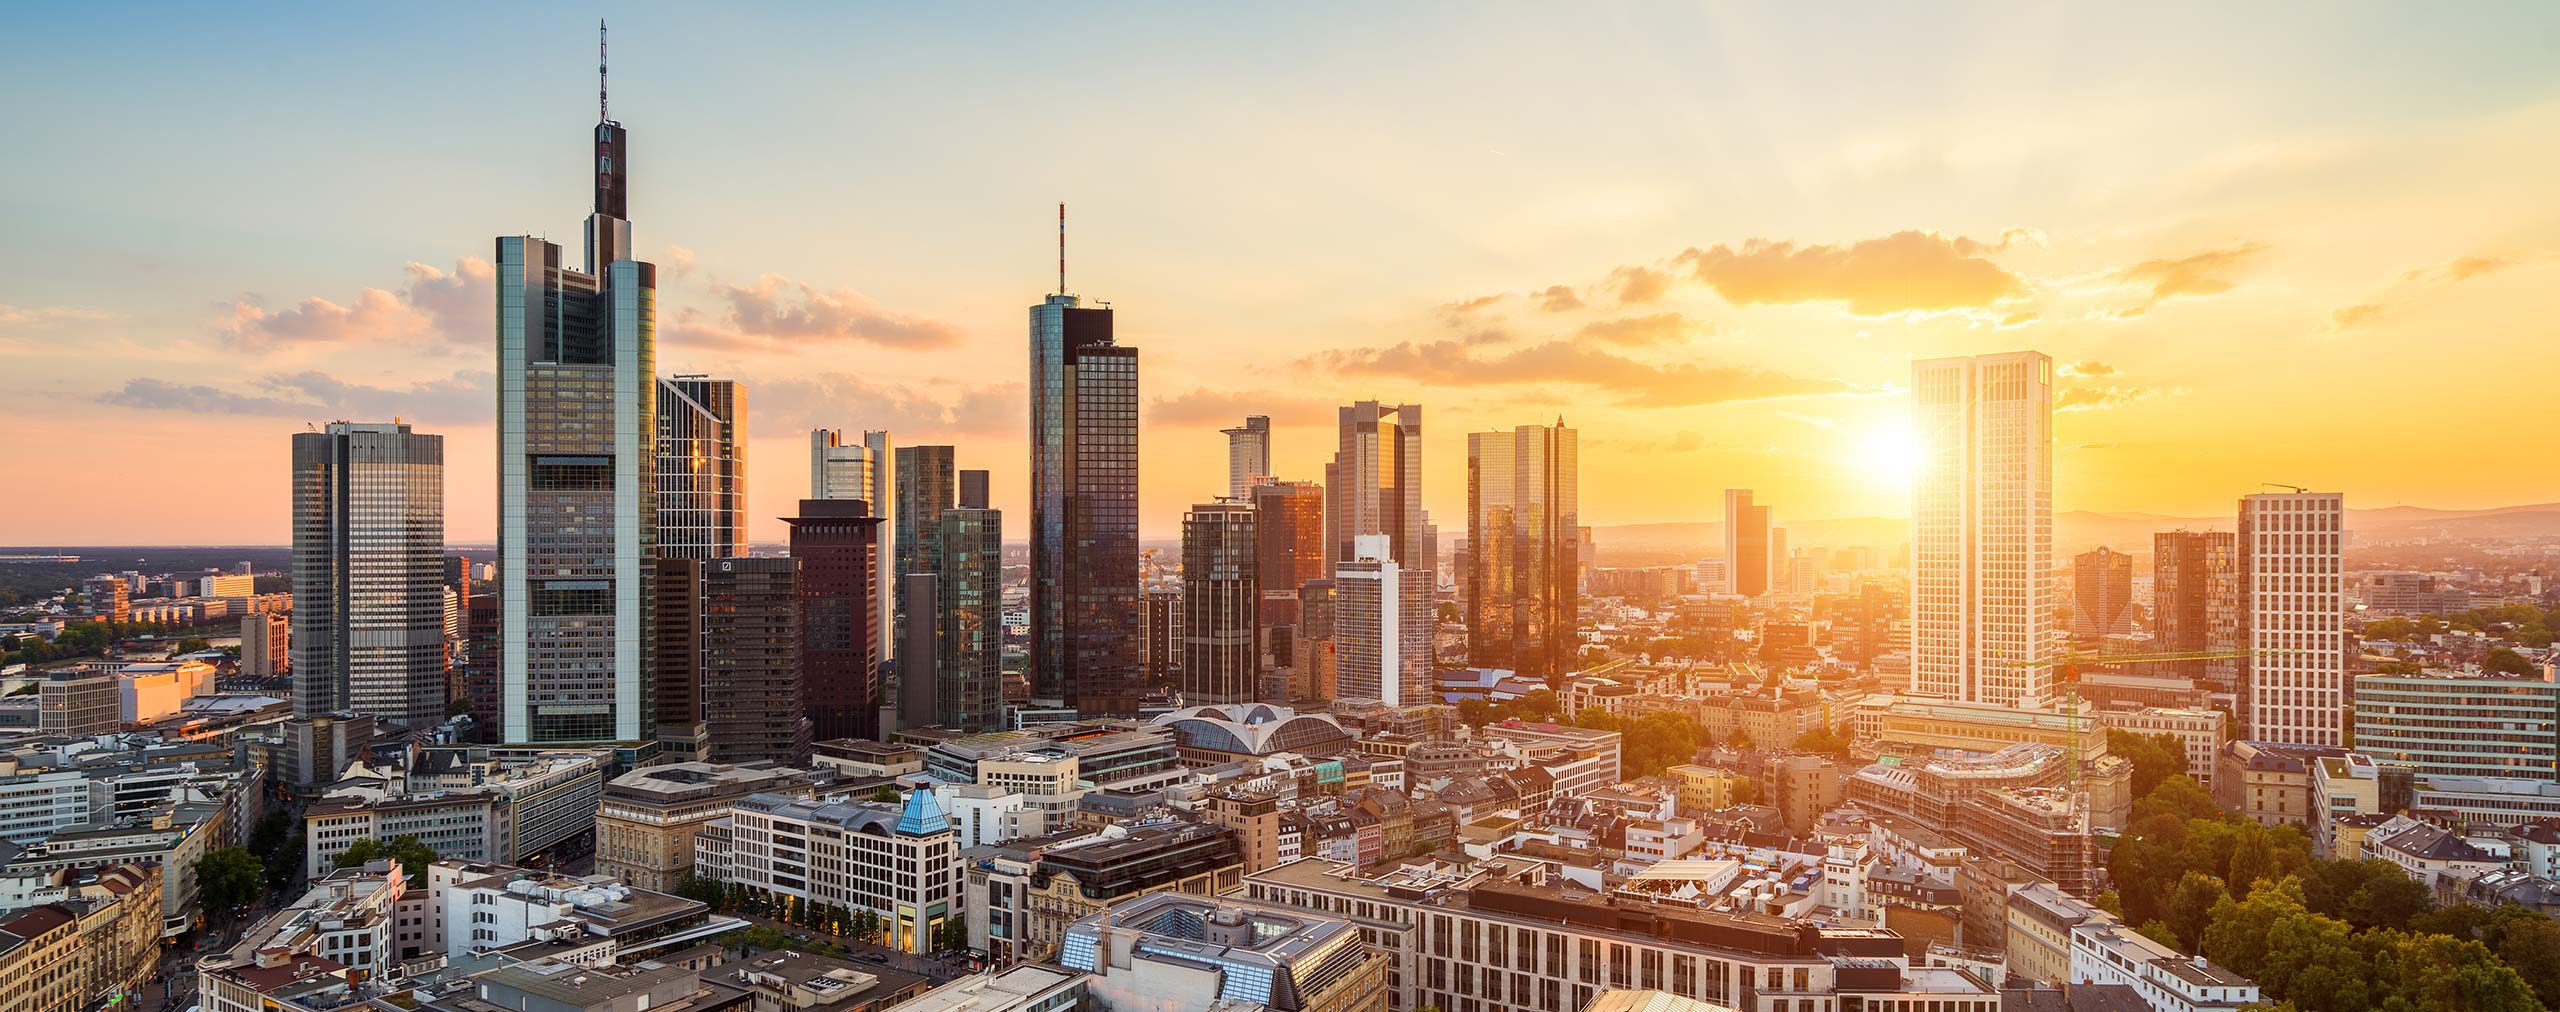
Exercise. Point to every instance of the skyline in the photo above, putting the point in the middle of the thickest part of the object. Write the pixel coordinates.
(2375, 186)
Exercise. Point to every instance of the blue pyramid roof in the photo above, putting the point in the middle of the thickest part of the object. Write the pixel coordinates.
(923, 815)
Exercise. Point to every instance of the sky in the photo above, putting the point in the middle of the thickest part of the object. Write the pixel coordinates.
(2303, 246)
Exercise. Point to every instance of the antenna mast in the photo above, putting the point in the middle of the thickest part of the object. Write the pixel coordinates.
(603, 112)
(1062, 248)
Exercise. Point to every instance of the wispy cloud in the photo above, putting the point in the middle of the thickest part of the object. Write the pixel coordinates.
(1658, 328)
(1908, 271)
(1454, 364)
(1203, 406)
(2417, 285)
(1556, 299)
(315, 396)
(778, 311)
(2211, 272)
(830, 400)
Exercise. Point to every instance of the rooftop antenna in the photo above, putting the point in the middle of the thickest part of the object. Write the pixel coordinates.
(1062, 248)
(603, 113)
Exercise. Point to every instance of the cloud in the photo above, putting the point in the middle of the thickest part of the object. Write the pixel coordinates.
(1480, 303)
(1638, 285)
(2019, 319)
(2413, 286)
(2085, 368)
(777, 310)
(676, 265)
(2462, 269)
(1203, 406)
(457, 306)
(839, 400)
(31, 317)
(316, 396)
(462, 304)
(1557, 299)
(2096, 397)
(1658, 328)
(1452, 364)
(1686, 441)
(1909, 271)
(2355, 315)
(2206, 273)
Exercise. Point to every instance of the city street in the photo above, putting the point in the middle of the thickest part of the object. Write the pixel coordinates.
(938, 969)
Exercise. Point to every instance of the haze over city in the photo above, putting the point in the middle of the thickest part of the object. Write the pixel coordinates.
(1711, 239)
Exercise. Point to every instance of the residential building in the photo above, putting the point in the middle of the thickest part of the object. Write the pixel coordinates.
(2104, 951)
(1373, 487)
(577, 476)
(368, 573)
(2269, 782)
(752, 669)
(837, 543)
(1523, 522)
(2460, 723)
(1248, 456)
(1084, 510)
(1221, 601)
(1982, 529)
(2292, 551)
(1748, 563)
(1382, 626)
(265, 645)
(702, 468)
(1173, 950)
(2195, 605)
(646, 819)
(900, 861)
(2101, 594)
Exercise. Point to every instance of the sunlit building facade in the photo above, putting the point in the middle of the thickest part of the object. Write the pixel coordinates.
(368, 574)
(1523, 523)
(1982, 529)
(1084, 511)
(2293, 627)
(702, 468)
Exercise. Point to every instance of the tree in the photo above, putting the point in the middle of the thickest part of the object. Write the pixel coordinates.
(2155, 757)
(2531, 944)
(2190, 909)
(1823, 741)
(192, 644)
(2502, 661)
(888, 795)
(412, 854)
(230, 879)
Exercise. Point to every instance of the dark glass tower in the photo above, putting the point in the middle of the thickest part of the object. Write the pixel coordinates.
(702, 468)
(368, 573)
(751, 684)
(969, 690)
(925, 476)
(1523, 530)
(837, 543)
(1084, 511)
(577, 477)
(1222, 601)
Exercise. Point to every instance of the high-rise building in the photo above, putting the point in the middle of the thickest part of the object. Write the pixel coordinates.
(926, 476)
(1221, 603)
(2101, 593)
(838, 469)
(1382, 627)
(1748, 560)
(1248, 455)
(969, 653)
(1982, 529)
(1374, 486)
(2293, 627)
(702, 468)
(1084, 511)
(751, 685)
(108, 597)
(1523, 603)
(1160, 631)
(2195, 604)
(678, 725)
(867, 472)
(837, 543)
(368, 573)
(264, 645)
(577, 476)
(1289, 523)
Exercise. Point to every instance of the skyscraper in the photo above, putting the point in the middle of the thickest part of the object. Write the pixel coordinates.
(838, 469)
(2195, 604)
(2293, 625)
(577, 477)
(1747, 557)
(925, 489)
(868, 472)
(969, 661)
(1160, 631)
(368, 573)
(702, 468)
(1289, 524)
(751, 673)
(1982, 529)
(1382, 627)
(2101, 593)
(837, 543)
(1523, 524)
(1248, 455)
(1084, 511)
(1374, 485)
(682, 735)
(1221, 601)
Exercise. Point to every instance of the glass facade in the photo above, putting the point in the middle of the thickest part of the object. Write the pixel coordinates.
(368, 573)
(969, 693)
(927, 483)
(1221, 600)
(702, 469)
(751, 661)
(1084, 511)
(1523, 529)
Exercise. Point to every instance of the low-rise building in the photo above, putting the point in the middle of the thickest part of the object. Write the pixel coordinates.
(784, 980)
(2200, 733)
(556, 986)
(646, 819)
(1170, 950)
(1022, 895)
(899, 861)
(1026, 987)
(2104, 951)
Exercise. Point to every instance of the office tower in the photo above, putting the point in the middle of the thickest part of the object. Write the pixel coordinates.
(1160, 632)
(1084, 511)
(837, 543)
(108, 597)
(1313, 673)
(263, 645)
(1982, 529)
(925, 489)
(969, 654)
(751, 685)
(2292, 625)
(1221, 605)
(2101, 593)
(678, 725)
(368, 573)
(1382, 627)
(1248, 455)
(577, 476)
(2195, 605)
(1747, 557)
(838, 469)
(1374, 485)
(457, 575)
(918, 680)
(884, 504)
(1289, 524)
(702, 468)
(1523, 604)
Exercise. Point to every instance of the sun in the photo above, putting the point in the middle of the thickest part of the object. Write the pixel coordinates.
(1889, 454)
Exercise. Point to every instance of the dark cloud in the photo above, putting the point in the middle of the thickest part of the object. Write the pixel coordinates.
(1203, 406)
(1903, 272)
(464, 398)
(2207, 273)
(832, 400)
(1557, 299)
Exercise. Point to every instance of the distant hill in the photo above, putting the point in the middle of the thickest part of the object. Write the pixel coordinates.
(2076, 531)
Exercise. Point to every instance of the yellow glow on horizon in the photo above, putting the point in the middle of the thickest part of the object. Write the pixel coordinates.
(1889, 455)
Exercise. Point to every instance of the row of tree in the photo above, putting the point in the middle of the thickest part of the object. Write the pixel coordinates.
(730, 897)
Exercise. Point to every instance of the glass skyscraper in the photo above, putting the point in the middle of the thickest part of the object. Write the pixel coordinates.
(702, 468)
(368, 573)
(1221, 601)
(925, 479)
(969, 690)
(1982, 530)
(1523, 528)
(1084, 511)
(577, 478)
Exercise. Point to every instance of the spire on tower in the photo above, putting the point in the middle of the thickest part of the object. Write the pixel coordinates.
(603, 112)
(1062, 248)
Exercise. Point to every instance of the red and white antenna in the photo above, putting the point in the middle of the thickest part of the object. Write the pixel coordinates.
(603, 112)
(1062, 249)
